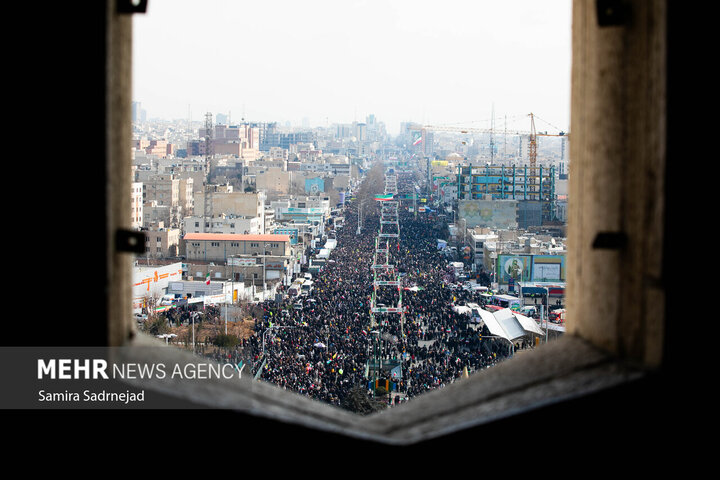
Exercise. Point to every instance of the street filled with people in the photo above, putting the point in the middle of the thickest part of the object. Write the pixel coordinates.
(320, 345)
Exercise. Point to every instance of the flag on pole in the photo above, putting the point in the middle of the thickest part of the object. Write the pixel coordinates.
(207, 279)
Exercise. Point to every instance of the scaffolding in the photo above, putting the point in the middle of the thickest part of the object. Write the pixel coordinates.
(385, 276)
(500, 182)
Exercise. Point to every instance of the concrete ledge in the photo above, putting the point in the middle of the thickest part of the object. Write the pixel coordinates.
(564, 369)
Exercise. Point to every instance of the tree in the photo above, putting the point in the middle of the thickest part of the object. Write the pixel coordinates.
(151, 300)
(158, 326)
(226, 341)
(358, 401)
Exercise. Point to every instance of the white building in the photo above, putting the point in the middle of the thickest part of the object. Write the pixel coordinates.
(305, 209)
(478, 245)
(232, 224)
(149, 284)
(136, 203)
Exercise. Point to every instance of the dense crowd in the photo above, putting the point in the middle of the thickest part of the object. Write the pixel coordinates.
(322, 349)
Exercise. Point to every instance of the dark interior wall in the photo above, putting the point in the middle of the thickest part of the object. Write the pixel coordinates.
(55, 64)
(57, 88)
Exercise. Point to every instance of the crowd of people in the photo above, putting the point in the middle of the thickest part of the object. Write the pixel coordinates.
(322, 349)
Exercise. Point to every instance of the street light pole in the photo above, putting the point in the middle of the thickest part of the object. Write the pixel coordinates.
(265, 246)
(264, 276)
(232, 288)
(545, 312)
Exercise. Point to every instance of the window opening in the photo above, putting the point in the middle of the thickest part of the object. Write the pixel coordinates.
(450, 257)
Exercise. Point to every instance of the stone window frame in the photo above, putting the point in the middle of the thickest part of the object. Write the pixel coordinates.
(616, 235)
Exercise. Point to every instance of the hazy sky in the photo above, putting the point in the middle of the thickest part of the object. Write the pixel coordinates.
(436, 62)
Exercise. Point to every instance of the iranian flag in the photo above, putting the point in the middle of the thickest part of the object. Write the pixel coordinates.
(383, 198)
(418, 141)
(207, 279)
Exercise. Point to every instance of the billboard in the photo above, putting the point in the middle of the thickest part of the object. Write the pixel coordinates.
(314, 185)
(242, 261)
(548, 268)
(515, 267)
(489, 213)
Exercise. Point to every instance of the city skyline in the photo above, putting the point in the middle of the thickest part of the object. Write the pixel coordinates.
(328, 62)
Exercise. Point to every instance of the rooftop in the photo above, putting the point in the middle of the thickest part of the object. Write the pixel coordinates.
(240, 237)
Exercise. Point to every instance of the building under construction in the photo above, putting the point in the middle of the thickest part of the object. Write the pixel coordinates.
(533, 187)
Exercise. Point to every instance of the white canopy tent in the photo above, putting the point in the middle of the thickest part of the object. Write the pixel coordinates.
(462, 309)
(509, 325)
(552, 326)
(529, 324)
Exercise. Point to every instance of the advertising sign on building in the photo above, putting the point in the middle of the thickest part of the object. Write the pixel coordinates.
(304, 211)
(215, 299)
(489, 213)
(548, 268)
(314, 185)
(242, 261)
(515, 267)
(151, 282)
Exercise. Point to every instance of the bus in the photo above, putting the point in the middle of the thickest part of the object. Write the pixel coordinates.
(506, 301)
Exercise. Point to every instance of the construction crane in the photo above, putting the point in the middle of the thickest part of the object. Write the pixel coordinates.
(532, 134)
(532, 148)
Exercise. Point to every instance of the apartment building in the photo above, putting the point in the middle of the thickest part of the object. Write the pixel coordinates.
(231, 203)
(242, 141)
(303, 209)
(186, 198)
(136, 205)
(161, 197)
(162, 242)
(477, 245)
(252, 259)
(218, 247)
(278, 153)
(155, 215)
(273, 181)
(227, 224)
(338, 168)
(274, 138)
(163, 189)
(160, 148)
